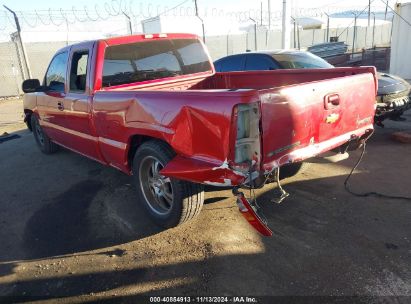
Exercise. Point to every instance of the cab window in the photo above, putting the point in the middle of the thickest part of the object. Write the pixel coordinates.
(78, 71)
(56, 73)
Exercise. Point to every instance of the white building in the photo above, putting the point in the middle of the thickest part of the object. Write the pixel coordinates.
(400, 63)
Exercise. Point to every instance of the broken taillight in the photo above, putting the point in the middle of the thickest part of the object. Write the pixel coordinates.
(247, 144)
(250, 212)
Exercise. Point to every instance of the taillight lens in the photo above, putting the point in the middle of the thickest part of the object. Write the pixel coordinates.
(247, 144)
(251, 214)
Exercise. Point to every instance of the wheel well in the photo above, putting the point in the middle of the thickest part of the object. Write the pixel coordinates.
(135, 142)
(27, 118)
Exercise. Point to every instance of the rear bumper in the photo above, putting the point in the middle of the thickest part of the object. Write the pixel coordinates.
(221, 175)
(352, 138)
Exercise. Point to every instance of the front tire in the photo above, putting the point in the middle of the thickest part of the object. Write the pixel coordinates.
(168, 201)
(43, 141)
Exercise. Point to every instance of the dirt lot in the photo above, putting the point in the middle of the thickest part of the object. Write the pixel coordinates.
(71, 229)
(11, 115)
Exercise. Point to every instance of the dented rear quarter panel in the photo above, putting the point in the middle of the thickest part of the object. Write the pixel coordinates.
(196, 124)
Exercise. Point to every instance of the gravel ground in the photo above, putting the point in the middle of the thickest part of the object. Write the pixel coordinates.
(71, 229)
(11, 115)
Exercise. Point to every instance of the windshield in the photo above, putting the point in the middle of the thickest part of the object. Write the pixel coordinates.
(148, 60)
(301, 61)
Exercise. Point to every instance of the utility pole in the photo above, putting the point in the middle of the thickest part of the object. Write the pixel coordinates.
(67, 35)
(255, 32)
(130, 28)
(227, 42)
(285, 33)
(267, 33)
(328, 27)
(202, 21)
(269, 15)
(369, 12)
(23, 50)
(386, 9)
(295, 33)
(261, 13)
(373, 31)
(354, 34)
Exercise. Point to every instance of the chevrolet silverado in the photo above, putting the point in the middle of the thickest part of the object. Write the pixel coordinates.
(153, 107)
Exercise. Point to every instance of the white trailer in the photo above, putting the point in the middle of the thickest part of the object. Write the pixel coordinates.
(172, 24)
(400, 62)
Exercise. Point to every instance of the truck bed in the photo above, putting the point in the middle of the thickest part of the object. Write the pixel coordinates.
(244, 80)
(298, 117)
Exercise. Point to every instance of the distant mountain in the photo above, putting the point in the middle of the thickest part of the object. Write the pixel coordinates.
(364, 15)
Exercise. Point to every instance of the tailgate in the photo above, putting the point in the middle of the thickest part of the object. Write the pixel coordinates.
(315, 117)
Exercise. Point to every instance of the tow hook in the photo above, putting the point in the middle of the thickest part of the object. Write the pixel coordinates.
(251, 213)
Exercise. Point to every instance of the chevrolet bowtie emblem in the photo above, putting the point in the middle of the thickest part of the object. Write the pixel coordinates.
(332, 118)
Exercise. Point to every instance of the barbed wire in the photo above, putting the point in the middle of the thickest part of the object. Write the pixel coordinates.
(41, 20)
(66, 18)
(356, 15)
(104, 11)
(88, 16)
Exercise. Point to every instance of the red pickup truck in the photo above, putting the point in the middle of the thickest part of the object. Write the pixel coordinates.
(153, 107)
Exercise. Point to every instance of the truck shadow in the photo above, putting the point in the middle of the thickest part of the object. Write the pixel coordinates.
(64, 204)
(67, 224)
(85, 217)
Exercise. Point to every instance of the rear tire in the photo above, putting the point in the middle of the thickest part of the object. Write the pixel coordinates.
(43, 141)
(168, 201)
(289, 170)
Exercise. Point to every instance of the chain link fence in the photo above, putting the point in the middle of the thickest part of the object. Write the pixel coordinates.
(39, 54)
(10, 70)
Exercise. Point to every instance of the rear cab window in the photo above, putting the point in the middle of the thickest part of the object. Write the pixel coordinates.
(156, 59)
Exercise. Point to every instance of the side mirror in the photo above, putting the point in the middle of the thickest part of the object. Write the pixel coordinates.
(30, 85)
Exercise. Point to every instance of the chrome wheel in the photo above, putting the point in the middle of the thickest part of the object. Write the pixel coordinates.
(157, 189)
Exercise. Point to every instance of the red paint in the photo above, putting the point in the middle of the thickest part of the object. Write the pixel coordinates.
(252, 216)
(195, 113)
(303, 113)
(198, 170)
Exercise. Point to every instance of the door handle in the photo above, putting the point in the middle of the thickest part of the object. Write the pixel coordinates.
(331, 101)
(60, 106)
